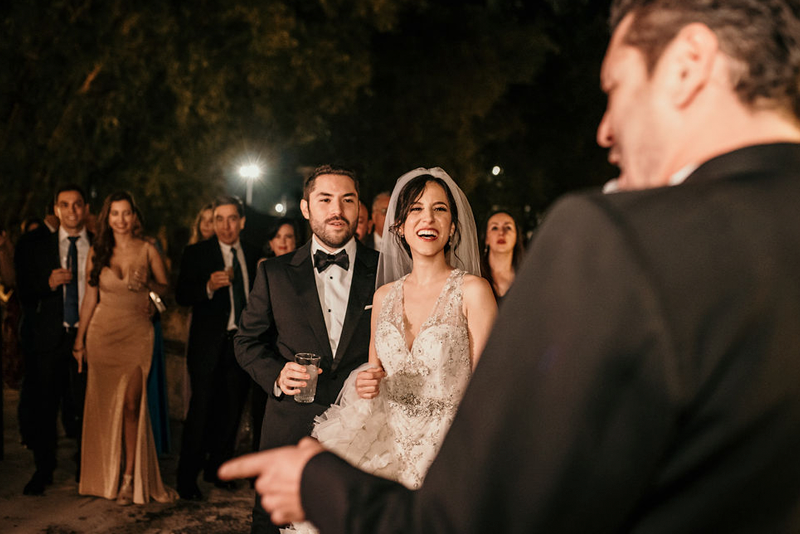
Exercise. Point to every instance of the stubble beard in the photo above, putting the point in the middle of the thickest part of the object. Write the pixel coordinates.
(330, 239)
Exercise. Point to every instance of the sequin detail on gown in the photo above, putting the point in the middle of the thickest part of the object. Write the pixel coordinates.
(119, 348)
(398, 434)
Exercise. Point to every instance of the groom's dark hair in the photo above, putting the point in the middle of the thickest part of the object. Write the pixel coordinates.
(340, 170)
(409, 194)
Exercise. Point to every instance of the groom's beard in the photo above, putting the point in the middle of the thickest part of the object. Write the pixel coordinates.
(330, 237)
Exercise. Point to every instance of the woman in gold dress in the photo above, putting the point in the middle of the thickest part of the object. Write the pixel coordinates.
(115, 324)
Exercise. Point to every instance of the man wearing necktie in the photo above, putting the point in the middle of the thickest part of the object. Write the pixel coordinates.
(51, 279)
(316, 299)
(215, 278)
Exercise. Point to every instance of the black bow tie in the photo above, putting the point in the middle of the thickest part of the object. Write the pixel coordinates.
(322, 260)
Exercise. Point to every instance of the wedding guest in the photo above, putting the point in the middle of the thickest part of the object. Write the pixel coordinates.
(157, 397)
(502, 252)
(7, 281)
(642, 375)
(10, 314)
(215, 280)
(430, 322)
(362, 228)
(115, 342)
(51, 286)
(281, 238)
(203, 227)
(30, 224)
(379, 206)
(7, 275)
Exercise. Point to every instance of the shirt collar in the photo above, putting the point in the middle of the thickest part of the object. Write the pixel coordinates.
(63, 235)
(683, 174)
(349, 247)
(227, 248)
(612, 186)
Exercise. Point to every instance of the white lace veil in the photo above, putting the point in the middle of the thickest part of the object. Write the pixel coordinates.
(394, 262)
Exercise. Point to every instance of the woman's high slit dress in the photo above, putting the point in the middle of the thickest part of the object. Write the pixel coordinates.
(119, 348)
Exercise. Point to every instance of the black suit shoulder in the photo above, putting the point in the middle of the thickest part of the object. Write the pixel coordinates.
(366, 254)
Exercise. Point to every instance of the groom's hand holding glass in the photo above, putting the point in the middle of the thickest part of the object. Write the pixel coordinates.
(293, 377)
(368, 382)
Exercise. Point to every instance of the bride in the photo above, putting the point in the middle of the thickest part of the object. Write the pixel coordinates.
(430, 322)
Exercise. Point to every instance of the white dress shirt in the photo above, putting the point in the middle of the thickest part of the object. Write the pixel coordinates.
(612, 186)
(333, 288)
(83, 253)
(227, 257)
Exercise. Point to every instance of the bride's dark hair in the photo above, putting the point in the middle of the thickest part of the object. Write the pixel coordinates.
(104, 240)
(410, 194)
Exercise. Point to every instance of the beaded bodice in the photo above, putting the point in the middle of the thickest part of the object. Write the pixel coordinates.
(424, 384)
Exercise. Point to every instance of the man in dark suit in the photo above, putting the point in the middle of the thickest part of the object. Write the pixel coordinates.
(51, 281)
(643, 374)
(215, 279)
(316, 299)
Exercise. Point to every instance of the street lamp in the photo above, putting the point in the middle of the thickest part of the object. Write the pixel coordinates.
(250, 173)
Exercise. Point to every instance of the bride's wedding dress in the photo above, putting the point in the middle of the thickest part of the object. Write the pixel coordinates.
(398, 434)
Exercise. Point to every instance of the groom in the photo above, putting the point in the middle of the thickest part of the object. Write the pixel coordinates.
(317, 299)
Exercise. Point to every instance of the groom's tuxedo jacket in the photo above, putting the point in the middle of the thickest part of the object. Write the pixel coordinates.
(643, 375)
(284, 317)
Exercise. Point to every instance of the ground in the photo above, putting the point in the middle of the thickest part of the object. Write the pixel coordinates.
(62, 511)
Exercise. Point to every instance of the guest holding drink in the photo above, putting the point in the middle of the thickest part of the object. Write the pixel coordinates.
(50, 276)
(502, 252)
(117, 331)
(215, 279)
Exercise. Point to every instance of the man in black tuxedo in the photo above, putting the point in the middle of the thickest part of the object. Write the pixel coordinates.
(643, 374)
(51, 279)
(215, 279)
(316, 299)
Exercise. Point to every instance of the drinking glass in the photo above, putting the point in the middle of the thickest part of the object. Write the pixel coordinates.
(311, 363)
(136, 278)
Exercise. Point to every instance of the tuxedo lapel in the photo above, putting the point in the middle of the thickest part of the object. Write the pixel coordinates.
(301, 276)
(361, 290)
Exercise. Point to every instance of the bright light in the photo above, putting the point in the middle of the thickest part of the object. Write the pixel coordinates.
(280, 208)
(496, 170)
(250, 172)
